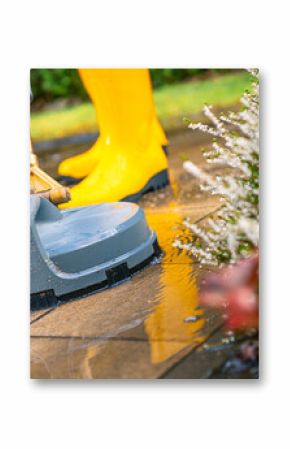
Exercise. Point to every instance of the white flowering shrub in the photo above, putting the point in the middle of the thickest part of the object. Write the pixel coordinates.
(234, 231)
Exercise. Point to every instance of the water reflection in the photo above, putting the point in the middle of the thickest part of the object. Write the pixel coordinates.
(133, 330)
(166, 326)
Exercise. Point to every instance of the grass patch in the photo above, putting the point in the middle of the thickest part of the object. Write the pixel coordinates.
(173, 103)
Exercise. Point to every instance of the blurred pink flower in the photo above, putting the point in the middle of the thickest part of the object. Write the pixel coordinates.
(234, 289)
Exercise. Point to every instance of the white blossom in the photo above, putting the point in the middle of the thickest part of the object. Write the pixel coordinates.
(235, 145)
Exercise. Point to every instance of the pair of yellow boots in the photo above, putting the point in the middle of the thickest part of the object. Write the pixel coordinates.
(128, 158)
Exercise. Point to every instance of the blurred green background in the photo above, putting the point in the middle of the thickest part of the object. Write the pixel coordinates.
(50, 84)
(61, 107)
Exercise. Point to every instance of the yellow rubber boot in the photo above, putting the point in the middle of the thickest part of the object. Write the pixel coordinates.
(131, 160)
(80, 166)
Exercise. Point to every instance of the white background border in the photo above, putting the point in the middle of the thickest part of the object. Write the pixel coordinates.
(144, 414)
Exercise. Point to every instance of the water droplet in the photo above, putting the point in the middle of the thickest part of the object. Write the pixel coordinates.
(191, 319)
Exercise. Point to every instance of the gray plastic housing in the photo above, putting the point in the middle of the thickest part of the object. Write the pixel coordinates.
(73, 249)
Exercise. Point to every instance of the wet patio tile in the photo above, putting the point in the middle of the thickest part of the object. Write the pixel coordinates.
(38, 314)
(135, 330)
(201, 362)
(88, 359)
(140, 328)
(130, 355)
(102, 313)
(168, 291)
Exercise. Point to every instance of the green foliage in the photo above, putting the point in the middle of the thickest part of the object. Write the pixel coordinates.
(50, 84)
(245, 247)
(172, 76)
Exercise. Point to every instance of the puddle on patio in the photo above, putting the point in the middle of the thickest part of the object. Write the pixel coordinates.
(135, 330)
(139, 328)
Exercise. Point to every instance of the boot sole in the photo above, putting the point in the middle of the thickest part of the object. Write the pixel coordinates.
(157, 182)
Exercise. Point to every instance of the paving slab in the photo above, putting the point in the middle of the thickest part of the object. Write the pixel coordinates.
(38, 314)
(169, 294)
(148, 326)
(201, 361)
(142, 327)
(133, 354)
(86, 359)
